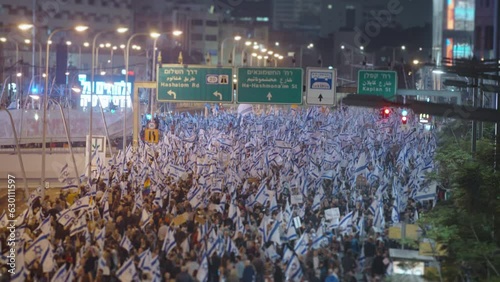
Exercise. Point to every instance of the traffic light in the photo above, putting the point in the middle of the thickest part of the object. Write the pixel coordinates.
(404, 119)
(384, 113)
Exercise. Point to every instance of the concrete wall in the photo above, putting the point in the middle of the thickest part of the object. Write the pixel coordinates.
(9, 164)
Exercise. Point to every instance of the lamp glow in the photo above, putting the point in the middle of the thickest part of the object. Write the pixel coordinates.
(122, 29)
(81, 28)
(25, 26)
(177, 32)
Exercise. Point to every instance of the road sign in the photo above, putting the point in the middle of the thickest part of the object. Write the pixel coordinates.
(379, 83)
(269, 86)
(321, 86)
(195, 84)
(151, 135)
(151, 125)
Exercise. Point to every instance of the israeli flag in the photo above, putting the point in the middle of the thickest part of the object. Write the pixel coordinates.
(66, 217)
(346, 222)
(99, 239)
(202, 274)
(293, 270)
(127, 272)
(80, 204)
(60, 275)
(169, 243)
(125, 243)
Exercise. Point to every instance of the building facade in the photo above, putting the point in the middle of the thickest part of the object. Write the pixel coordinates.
(453, 29)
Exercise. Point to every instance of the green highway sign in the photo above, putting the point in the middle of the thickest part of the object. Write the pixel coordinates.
(379, 83)
(194, 84)
(269, 86)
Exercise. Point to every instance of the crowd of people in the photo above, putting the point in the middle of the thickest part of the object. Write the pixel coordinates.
(297, 195)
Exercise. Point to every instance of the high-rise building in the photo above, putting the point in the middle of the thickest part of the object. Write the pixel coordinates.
(484, 33)
(55, 14)
(296, 14)
(453, 29)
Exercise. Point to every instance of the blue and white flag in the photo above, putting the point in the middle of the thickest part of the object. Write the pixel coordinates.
(125, 243)
(66, 217)
(169, 243)
(301, 245)
(45, 226)
(274, 234)
(60, 275)
(42, 250)
(79, 226)
(127, 272)
(145, 218)
(202, 274)
(105, 212)
(293, 270)
(20, 272)
(80, 204)
(231, 247)
(101, 236)
(145, 261)
(346, 222)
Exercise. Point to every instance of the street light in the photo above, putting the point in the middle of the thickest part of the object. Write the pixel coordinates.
(79, 28)
(92, 89)
(25, 26)
(221, 57)
(403, 47)
(254, 55)
(310, 46)
(248, 44)
(156, 36)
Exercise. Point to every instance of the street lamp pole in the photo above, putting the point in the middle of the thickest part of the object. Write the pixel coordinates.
(46, 98)
(92, 89)
(127, 94)
(45, 102)
(152, 99)
(221, 57)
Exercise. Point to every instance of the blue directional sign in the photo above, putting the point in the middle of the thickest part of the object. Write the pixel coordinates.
(320, 86)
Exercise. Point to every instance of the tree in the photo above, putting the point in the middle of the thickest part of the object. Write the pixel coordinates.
(467, 222)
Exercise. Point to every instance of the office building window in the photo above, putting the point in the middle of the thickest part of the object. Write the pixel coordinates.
(478, 36)
(211, 37)
(350, 14)
(196, 36)
(488, 38)
(211, 23)
(197, 22)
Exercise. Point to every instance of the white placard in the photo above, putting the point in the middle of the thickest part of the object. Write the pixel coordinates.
(332, 214)
(297, 222)
(296, 199)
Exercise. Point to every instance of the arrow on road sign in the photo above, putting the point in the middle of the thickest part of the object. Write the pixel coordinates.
(172, 93)
(217, 93)
(269, 96)
(320, 97)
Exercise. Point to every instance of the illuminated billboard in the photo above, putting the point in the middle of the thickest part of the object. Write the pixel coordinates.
(109, 89)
